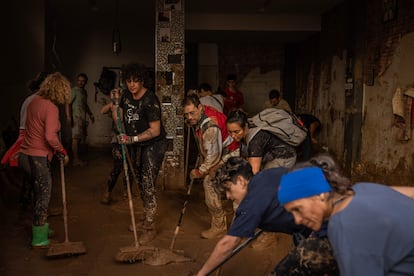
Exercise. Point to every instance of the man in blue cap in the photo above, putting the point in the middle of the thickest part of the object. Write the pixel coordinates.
(260, 208)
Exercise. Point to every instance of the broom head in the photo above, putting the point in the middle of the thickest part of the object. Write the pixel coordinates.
(66, 249)
(132, 254)
(166, 256)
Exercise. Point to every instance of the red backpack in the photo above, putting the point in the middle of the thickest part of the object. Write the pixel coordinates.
(220, 119)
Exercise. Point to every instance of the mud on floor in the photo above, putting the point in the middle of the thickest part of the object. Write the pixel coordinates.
(104, 229)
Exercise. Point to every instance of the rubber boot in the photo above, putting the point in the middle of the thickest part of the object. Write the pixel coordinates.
(148, 233)
(106, 198)
(40, 236)
(218, 228)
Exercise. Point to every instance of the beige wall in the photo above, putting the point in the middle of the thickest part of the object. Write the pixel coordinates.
(83, 43)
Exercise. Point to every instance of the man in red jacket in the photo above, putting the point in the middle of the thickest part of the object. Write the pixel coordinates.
(233, 98)
(212, 147)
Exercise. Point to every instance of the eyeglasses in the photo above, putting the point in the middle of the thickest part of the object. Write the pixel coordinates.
(191, 113)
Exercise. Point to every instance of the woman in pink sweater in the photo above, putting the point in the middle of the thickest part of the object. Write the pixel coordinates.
(40, 142)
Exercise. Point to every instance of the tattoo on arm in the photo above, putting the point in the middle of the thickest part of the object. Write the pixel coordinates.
(149, 133)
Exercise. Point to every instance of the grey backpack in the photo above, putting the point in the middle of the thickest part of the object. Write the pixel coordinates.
(285, 125)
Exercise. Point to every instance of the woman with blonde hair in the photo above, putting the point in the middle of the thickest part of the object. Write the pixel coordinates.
(40, 143)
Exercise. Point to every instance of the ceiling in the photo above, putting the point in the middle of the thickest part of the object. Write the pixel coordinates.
(259, 21)
(215, 21)
(305, 7)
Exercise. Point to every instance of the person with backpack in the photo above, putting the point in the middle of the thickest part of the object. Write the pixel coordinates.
(264, 149)
(214, 145)
(207, 97)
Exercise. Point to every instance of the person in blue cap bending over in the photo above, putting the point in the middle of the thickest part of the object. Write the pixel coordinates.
(369, 226)
(258, 207)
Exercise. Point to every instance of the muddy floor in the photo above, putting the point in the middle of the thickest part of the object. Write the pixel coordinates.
(104, 229)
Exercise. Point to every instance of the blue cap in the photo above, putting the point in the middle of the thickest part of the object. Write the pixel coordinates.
(302, 183)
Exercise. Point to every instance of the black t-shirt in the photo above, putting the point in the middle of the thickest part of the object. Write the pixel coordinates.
(268, 146)
(308, 119)
(137, 114)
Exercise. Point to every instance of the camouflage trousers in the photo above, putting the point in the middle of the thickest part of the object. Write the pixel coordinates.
(40, 179)
(147, 161)
(312, 256)
(212, 198)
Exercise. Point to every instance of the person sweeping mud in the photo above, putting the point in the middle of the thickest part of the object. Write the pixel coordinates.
(40, 142)
(210, 143)
(258, 207)
(145, 138)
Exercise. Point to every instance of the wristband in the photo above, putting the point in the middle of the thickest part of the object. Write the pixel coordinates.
(135, 139)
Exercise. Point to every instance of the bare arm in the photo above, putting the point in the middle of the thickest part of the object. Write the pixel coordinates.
(223, 249)
(255, 162)
(405, 190)
(106, 108)
(68, 115)
(153, 131)
(312, 129)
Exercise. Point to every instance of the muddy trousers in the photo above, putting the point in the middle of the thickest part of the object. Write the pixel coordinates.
(117, 166)
(147, 161)
(213, 202)
(312, 256)
(38, 171)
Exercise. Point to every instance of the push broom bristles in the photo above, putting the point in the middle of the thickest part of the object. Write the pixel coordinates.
(66, 249)
(166, 256)
(133, 254)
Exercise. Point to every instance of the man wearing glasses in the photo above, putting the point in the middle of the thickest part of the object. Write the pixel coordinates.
(210, 145)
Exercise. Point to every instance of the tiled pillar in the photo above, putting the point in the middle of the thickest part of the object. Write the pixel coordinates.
(169, 68)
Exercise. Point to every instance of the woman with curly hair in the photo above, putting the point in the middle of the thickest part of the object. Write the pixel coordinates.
(40, 142)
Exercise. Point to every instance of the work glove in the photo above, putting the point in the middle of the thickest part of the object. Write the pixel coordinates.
(196, 174)
(125, 139)
(63, 155)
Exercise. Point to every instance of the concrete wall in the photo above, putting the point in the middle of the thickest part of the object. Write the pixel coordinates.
(84, 44)
(382, 150)
(72, 37)
(379, 56)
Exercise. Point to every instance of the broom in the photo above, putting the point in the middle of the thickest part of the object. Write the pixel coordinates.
(66, 248)
(166, 256)
(235, 251)
(136, 252)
